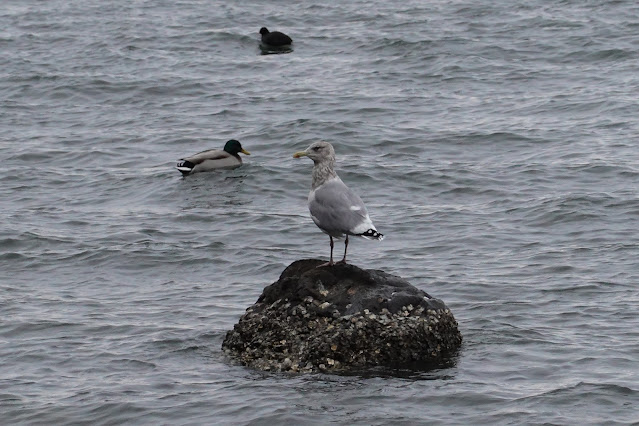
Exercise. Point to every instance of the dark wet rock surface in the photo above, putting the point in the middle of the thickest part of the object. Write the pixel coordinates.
(342, 318)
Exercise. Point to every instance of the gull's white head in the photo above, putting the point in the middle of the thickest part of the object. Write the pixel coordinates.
(319, 152)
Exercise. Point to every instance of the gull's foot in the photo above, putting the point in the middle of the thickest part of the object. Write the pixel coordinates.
(331, 263)
(341, 262)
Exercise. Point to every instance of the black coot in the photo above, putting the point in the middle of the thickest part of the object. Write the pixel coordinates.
(274, 38)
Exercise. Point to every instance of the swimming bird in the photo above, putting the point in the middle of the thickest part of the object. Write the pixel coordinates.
(335, 209)
(275, 38)
(213, 159)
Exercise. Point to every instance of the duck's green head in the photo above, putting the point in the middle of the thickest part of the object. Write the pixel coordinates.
(233, 147)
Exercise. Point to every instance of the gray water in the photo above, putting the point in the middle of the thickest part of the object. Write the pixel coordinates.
(494, 144)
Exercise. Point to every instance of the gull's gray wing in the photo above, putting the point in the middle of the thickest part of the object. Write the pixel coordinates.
(337, 210)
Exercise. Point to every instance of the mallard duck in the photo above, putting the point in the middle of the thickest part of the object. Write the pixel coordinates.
(275, 38)
(213, 159)
(334, 207)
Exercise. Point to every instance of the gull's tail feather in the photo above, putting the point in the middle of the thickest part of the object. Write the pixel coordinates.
(372, 234)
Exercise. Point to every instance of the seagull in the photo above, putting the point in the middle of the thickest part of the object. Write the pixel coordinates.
(335, 209)
(213, 159)
(275, 38)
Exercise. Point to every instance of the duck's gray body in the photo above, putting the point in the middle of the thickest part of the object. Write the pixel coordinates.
(213, 159)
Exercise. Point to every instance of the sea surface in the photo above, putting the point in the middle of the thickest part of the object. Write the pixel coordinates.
(495, 145)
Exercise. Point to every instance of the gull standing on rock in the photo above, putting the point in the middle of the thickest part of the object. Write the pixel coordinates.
(335, 209)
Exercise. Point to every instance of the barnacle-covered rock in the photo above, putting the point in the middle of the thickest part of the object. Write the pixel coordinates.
(342, 318)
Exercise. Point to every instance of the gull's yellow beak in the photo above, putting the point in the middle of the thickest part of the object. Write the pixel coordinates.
(243, 151)
(300, 154)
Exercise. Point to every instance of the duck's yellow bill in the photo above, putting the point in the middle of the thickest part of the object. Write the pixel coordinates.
(243, 151)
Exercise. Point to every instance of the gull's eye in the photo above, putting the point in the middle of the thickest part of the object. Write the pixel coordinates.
(317, 148)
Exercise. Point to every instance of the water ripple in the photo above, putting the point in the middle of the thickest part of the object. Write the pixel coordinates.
(492, 145)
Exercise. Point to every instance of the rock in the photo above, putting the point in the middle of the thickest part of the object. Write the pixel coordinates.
(342, 318)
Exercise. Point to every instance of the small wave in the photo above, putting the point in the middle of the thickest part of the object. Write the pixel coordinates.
(603, 55)
(37, 326)
(589, 390)
(128, 363)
